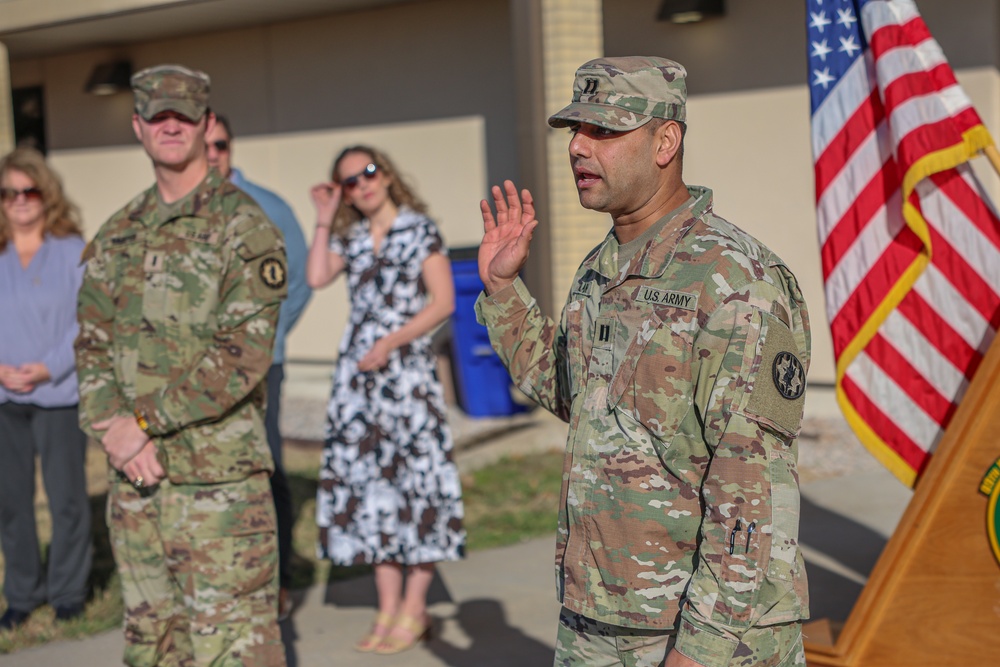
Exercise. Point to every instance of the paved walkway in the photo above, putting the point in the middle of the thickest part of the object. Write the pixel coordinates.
(497, 607)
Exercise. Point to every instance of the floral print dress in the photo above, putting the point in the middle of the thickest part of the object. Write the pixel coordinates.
(389, 489)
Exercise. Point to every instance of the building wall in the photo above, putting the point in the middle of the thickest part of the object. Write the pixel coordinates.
(442, 100)
(296, 93)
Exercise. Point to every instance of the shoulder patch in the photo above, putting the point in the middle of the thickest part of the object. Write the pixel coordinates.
(779, 383)
(272, 272)
(788, 374)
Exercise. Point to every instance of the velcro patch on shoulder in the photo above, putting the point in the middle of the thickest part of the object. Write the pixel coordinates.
(663, 297)
(778, 394)
(261, 241)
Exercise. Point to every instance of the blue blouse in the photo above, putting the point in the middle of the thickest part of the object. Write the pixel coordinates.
(38, 318)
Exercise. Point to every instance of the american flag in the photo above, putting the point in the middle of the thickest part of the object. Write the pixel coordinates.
(910, 242)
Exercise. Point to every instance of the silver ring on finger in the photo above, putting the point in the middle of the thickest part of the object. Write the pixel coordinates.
(138, 483)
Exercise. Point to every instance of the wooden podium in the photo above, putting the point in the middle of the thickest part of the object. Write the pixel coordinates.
(933, 597)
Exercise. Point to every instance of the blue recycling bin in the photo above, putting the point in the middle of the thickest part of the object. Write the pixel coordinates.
(482, 385)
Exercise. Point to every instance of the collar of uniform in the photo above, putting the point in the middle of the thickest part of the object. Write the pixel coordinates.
(192, 205)
(653, 260)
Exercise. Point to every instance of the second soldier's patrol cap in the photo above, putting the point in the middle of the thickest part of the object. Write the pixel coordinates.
(625, 93)
(170, 88)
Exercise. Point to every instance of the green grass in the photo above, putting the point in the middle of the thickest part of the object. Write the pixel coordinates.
(510, 501)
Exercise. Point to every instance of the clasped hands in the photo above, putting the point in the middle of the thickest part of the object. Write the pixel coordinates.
(24, 378)
(130, 450)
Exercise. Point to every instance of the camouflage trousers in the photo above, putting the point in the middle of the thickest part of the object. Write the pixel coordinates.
(199, 567)
(582, 641)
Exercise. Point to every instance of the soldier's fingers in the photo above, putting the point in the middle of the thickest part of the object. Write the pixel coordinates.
(488, 221)
(527, 232)
(498, 201)
(528, 214)
(101, 425)
(513, 199)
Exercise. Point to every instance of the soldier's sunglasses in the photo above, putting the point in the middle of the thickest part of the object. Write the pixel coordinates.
(369, 173)
(221, 145)
(10, 194)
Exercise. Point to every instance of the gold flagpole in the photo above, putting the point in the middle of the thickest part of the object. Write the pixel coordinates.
(993, 156)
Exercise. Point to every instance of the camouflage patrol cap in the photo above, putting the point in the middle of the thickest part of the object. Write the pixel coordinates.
(170, 88)
(625, 93)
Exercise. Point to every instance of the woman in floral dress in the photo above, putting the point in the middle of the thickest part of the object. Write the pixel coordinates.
(389, 490)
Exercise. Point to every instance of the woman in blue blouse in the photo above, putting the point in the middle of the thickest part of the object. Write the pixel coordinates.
(40, 274)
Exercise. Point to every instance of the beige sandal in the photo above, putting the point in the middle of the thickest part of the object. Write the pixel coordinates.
(418, 629)
(373, 639)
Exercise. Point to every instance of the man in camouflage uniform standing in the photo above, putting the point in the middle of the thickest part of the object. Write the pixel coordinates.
(679, 363)
(177, 318)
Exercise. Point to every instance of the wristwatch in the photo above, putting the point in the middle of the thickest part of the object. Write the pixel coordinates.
(141, 420)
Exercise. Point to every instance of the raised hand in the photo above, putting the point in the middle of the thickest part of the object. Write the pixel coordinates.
(326, 199)
(507, 238)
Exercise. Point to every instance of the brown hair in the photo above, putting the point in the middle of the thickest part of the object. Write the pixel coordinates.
(62, 218)
(399, 191)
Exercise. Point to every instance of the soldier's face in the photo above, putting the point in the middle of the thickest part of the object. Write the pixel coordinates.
(172, 140)
(616, 172)
(219, 150)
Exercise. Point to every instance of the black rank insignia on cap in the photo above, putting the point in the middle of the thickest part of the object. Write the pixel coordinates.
(788, 375)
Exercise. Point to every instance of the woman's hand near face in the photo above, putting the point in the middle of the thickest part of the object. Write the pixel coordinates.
(326, 198)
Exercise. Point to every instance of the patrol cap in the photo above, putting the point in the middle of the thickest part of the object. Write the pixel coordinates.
(170, 88)
(625, 93)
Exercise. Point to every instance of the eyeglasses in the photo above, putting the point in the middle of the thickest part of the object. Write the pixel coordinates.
(352, 181)
(11, 194)
(221, 145)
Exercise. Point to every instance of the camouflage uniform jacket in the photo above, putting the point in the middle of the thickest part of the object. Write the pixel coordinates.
(681, 376)
(177, 319)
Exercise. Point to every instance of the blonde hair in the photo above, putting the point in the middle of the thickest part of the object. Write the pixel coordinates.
(399, 191)
(62, 217)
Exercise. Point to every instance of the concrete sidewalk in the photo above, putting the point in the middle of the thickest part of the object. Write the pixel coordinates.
(498, 608)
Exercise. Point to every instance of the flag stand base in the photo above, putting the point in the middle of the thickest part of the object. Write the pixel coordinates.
(933, 597)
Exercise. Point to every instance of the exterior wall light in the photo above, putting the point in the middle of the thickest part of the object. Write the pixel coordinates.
(110, 78)
(690, 11)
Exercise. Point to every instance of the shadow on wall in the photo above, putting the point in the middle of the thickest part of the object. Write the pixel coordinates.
(855, 546)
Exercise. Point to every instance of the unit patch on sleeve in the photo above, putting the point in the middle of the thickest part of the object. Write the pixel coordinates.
(789, 377)
(778, 377)
(273, 273)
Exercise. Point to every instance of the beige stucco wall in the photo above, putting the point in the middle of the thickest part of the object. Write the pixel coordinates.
(298, 90)
(444, 160)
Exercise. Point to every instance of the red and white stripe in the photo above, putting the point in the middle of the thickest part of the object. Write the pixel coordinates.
(903, 370)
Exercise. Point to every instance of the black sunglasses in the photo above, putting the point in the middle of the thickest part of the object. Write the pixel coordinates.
(221, 145)
(369, 173)
(10, 194)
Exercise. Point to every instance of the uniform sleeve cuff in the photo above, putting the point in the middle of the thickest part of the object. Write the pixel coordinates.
(493, 308)
(703, 646)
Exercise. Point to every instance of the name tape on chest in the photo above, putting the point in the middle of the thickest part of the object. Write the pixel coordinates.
(662, 297)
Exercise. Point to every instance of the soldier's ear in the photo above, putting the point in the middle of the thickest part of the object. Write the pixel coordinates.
(136, 127)
(668, 139)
